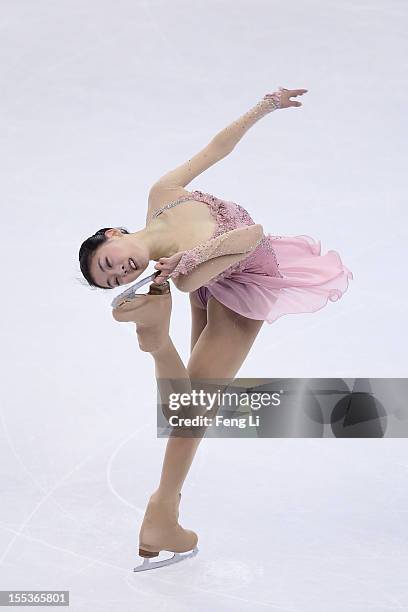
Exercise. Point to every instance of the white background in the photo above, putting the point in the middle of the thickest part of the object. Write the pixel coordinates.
(98, 100)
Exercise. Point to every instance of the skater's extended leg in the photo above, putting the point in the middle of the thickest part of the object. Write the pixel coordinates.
(218, 353)
(180, 451)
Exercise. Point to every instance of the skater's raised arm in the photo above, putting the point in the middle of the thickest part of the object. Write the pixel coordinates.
(221, 145)
(232, 134)
(186, 172)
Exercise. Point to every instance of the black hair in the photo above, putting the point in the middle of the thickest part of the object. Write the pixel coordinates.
(88, 248)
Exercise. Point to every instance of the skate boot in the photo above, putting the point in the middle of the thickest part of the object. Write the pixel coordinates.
(161, 531)
(151, 312)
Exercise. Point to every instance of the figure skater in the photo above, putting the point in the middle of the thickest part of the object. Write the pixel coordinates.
(236, 276)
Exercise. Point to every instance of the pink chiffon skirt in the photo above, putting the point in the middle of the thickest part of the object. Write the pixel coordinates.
(291, 278)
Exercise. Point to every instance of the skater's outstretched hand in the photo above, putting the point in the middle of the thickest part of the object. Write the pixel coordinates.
(151, 312)
(282, 97)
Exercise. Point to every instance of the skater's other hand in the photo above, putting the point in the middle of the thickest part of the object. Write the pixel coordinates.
(166, 265)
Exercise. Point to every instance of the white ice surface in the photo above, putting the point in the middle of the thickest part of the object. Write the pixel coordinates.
(98, 100)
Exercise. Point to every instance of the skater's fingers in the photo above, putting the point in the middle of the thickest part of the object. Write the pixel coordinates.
(161, 278)
(296, 92)
(162, 263)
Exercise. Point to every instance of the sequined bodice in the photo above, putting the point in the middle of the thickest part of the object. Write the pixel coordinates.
(228, 215)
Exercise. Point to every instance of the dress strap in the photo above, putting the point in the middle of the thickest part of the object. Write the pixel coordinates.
(171, 204)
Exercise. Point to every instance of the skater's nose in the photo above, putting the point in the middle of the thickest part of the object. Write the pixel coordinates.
(123, 270)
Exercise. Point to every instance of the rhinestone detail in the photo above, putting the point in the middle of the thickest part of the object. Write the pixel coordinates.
(170, 205)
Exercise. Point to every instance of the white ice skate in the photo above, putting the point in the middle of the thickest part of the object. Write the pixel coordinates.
(161, 532)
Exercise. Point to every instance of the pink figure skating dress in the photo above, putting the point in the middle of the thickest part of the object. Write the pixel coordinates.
(282, 275)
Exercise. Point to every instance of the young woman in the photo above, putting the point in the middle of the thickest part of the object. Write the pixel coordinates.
(236, 278)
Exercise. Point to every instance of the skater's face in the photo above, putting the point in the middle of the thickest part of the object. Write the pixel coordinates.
(118, 261)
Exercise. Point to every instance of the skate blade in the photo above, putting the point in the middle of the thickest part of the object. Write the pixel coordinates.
(130, 293)
(176, 558)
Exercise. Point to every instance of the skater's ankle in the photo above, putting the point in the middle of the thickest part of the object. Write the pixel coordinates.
(162, 351)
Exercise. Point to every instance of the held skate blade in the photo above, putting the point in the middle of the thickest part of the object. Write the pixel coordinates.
(130, 293)
(176, 558)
